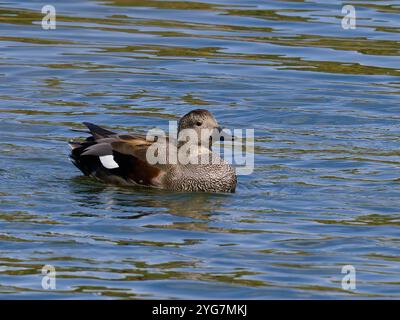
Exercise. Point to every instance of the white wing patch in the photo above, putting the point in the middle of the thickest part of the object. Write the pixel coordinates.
(108, 162)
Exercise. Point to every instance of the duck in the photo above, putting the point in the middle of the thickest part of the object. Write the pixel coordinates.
(123, 159)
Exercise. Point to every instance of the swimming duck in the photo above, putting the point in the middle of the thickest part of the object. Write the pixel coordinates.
(123, 158)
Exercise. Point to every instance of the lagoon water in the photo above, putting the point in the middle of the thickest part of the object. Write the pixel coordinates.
(324, 104)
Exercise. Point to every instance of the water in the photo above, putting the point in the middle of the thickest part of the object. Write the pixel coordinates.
(324, 103)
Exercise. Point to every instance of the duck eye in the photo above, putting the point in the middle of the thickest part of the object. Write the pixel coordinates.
(198, 123)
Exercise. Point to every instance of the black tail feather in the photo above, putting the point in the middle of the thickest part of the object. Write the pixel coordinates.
(87, 164)
(97, 131)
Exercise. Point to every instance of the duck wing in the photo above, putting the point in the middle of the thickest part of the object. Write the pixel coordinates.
(116, 157)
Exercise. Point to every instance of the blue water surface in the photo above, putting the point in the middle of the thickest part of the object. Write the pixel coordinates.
(324, 104)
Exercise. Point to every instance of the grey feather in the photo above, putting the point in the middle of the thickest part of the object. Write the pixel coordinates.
(100, 149)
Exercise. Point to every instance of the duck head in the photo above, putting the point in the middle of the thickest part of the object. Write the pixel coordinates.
(203, 125)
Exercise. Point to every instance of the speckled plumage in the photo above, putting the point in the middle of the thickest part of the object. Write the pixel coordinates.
(129, 153)
(207, 178)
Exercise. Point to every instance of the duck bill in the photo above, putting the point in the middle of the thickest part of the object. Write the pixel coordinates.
(224, 134)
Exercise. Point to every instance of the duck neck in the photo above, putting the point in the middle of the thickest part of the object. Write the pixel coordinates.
(198, 145)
